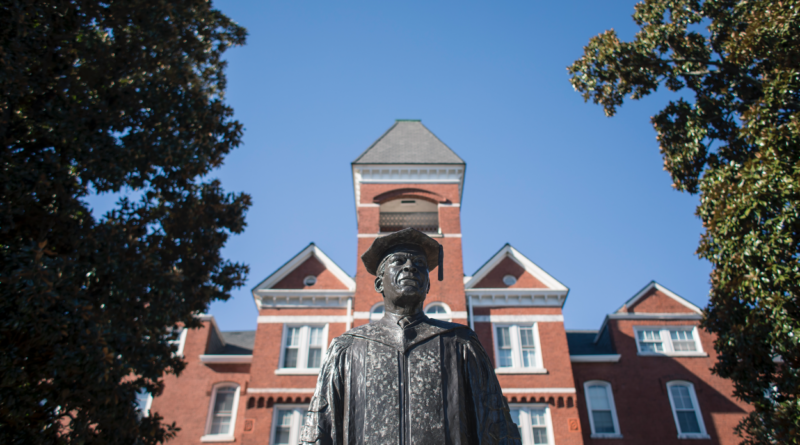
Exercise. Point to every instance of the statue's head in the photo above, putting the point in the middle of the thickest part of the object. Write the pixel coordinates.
(401, 262)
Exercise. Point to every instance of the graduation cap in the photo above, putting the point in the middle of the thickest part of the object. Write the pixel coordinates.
(408, 237)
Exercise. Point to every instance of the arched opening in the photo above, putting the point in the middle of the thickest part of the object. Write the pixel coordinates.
(402, 213)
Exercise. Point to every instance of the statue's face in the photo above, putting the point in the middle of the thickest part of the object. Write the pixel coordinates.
(404, 281)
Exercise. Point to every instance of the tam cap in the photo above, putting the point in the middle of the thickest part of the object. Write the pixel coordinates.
(433, 251)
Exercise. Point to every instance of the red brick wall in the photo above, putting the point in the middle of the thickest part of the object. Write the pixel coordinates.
(640, 393)
(494, 279)
(312, 266)
(656, 302)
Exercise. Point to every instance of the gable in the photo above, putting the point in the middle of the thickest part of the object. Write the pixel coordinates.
(310, 267)
(656, 299)
(509, 261)
(507, 266)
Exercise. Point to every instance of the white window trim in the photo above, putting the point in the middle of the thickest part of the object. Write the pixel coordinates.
(447, 316)
(595, 435)
(516, 350)
(302, 354)
(181, 342)
(376, 317)
(703, 434)
(297, 424)
(666, 341)
(526, 426)
(221, 437)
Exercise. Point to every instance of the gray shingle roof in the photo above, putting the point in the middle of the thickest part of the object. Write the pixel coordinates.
(582, 343)
(236, 343)
(408, 142)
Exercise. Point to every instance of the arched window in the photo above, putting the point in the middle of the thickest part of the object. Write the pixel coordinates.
(686, 410)
(222, 412)
(439, 311)
(376, 313)
(602, 411)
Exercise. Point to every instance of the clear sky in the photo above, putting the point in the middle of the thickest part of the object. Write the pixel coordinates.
(583, 196)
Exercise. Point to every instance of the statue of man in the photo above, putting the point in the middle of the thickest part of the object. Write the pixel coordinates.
(407, 379)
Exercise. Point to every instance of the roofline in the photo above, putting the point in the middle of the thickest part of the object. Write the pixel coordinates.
(396, 121)
(557, 285)
(282, 266)
(653, 284)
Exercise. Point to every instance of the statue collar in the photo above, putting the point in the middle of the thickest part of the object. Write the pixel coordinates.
(388, 330)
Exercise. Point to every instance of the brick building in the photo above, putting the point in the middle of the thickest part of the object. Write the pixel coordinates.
(643, 377)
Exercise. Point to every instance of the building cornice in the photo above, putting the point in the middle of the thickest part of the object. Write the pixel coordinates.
(517, 297)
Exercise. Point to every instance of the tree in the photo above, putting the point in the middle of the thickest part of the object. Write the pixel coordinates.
(108, 96)
(736, 143)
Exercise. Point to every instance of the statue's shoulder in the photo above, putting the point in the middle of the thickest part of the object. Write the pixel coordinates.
(446, 325)
(368, 331)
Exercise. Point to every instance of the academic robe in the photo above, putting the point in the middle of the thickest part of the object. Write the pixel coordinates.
(408, 380)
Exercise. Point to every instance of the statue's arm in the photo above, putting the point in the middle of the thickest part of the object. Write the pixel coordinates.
(323, 422)
(493, 420)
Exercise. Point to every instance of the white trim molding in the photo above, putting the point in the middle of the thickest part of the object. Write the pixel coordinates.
(266, 297)
(539, 390)
(644, 316)
(280, 390)
(304, 336)
(406, 174)
(653, 285)
(531, 318)
(596, 358)
(226, 359)
(517, 349)
(295, 425)
(509, 252)
(526, 424)
(303, 318)
(499, 297)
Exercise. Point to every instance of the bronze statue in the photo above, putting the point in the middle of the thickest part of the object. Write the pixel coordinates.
(407, 379)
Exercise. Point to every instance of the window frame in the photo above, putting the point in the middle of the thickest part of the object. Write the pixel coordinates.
(703, 434)
(447, 316)
(376, 317)
(666, 341)
(516, 349)
(526, 427)
(297, 425)
(207, 437)
(617, 434)
(302, 354)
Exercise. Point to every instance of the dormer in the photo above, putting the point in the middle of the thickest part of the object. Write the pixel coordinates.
(310, 278)
(511, 279)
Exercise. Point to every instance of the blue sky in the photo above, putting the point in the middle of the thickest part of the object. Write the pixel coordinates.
(582, 195)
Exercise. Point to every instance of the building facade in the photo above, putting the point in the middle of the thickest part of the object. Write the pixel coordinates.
(643, 377)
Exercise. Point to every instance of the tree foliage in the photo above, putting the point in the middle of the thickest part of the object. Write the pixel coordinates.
(108, 96)
(737, 144)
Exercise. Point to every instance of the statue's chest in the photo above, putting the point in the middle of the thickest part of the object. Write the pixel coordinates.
(404, 394)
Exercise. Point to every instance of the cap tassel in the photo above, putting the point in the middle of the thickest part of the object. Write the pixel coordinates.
(441, 262)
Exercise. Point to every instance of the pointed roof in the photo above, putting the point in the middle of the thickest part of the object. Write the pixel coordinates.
(508, 251)
(646, 291)
(408, 142)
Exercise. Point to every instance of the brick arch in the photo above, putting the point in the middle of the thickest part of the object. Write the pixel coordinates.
(410, 193)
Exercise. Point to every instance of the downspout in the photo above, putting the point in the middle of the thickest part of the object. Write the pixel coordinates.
(469, 308)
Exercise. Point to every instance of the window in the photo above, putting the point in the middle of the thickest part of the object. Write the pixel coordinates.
(222, 413)
(310, 280)
(517, 349)
(668, 340)
(602, 412)
(686, 410)
(439, 311)
(287, 422)
(376, 313)
(144, 400)
(399, 214)
(533, 421)
(303, 348)
(179, 339)
(510, 280)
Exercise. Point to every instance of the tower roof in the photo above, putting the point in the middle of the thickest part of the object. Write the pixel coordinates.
(408, 142)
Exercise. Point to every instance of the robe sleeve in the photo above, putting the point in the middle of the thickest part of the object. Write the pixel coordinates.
(324, 420)
(490, 409)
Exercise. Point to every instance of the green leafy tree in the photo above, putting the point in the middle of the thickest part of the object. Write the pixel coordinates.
(736, 143)
(108, 96)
